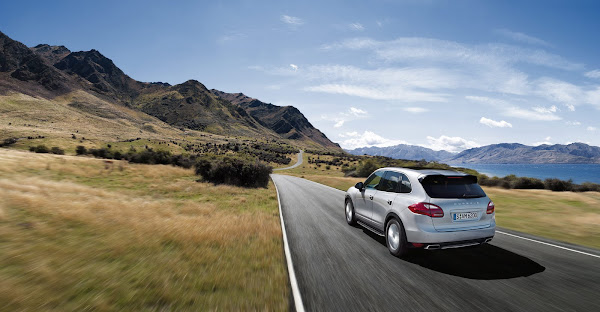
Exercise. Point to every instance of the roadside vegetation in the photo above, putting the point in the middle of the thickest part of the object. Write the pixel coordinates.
(78, 233)
(567, 216)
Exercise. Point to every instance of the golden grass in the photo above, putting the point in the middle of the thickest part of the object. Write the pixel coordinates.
(79, 234)
(566, 216)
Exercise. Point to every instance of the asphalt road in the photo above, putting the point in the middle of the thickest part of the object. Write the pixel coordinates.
(344, 268)
(298, 162)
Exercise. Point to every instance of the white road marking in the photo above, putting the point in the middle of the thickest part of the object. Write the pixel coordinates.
(294, 283)
(540, 242)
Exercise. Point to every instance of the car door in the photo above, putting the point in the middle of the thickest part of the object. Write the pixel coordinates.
(387, 190)
(363, 203)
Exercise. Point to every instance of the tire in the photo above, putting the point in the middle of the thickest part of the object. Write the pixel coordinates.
(350, 215)
(395, 238)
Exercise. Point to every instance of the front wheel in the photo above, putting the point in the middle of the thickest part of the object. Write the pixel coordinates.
(350, 216)
(395, 238)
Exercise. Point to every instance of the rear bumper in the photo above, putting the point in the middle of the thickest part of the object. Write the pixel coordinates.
(459, 244)
(450, 238)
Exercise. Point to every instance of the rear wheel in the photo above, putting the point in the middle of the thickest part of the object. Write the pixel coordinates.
(395, 238)
(350, 216)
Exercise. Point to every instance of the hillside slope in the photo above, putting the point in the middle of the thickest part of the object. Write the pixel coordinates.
(90, 81)
(287, 121)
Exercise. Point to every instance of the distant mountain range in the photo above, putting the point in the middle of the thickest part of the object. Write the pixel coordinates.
(504, 153)
(403, 151)
(54, 71)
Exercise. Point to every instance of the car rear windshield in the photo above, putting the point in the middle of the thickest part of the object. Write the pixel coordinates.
(441, 186)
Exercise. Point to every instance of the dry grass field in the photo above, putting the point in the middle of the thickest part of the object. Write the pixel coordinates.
(566, 216)
(81, 234)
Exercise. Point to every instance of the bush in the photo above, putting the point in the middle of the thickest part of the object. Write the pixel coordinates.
(80, 150)
(39, 149)
(558, 185)
(246, 172)
(527, 183)
(366, 167)
(8, 142)
(56, 150)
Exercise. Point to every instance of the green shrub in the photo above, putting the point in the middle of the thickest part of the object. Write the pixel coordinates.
(39, 149)
(80, 150)
(233, 170)
(527, 183)
(8, 142)
(56, 150)
(366, 167)
(558, 185)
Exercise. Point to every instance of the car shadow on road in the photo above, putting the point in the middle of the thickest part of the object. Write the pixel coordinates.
(485, 262)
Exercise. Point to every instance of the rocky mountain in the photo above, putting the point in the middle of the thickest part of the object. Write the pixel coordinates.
(24, 71)
(50, 71)
(287, 121)
(514, 153)
(504, 153)
(403, 151)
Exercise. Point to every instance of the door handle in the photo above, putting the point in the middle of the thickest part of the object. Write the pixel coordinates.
(371, 197)
(389, 202)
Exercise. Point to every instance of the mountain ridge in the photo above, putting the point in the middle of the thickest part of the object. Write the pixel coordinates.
(52, 71)
(501, 153)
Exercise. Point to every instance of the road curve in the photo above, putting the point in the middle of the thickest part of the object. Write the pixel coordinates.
(298, 162)
(344, 268)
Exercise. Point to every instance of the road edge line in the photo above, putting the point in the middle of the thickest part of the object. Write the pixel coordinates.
(288, 256)
(553, 245)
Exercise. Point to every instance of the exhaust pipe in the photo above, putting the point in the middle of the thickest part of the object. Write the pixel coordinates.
(432, 247)
(487, 240)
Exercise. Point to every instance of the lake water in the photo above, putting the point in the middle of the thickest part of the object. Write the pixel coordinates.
(578, 172)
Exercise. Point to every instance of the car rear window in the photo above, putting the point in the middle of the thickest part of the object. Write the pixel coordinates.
(441, 186)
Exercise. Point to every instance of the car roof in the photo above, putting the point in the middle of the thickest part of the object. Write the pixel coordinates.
(417, 173)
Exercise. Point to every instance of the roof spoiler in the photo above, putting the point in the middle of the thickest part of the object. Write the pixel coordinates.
(440, 177)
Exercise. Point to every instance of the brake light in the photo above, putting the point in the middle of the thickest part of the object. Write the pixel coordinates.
(427, 209)
(491, 207)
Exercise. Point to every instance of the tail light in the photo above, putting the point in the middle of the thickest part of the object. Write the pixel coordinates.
(427, 209)
(491, 207)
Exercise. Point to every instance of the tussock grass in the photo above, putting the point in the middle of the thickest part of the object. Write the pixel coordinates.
(76, 234)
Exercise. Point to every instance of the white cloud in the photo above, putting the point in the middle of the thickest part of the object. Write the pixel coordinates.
(450, 144)
(593, 74)
(387, 93)
(492, 123)
(510, 110)
(415, 110)
(367, 138)
(590, 128)
(545, 142)
(521, 37)
(291, 20)
(356, 26)
(352, 113)
(357, 112)
(573, 123)
(559, 91)
(546, 110)
(443, 51)
(294, 67)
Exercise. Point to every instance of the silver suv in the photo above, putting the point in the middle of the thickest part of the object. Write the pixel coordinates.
(430, 209)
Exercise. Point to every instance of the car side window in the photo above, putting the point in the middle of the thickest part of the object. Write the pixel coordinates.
(390, 182)
(374, 179)
(405, 186)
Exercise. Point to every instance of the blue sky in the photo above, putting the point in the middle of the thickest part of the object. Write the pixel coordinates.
(441, 74)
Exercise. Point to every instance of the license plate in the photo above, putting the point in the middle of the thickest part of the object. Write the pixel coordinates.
(464, 216)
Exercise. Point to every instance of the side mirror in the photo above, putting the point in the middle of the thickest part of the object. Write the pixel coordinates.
(360, 186)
